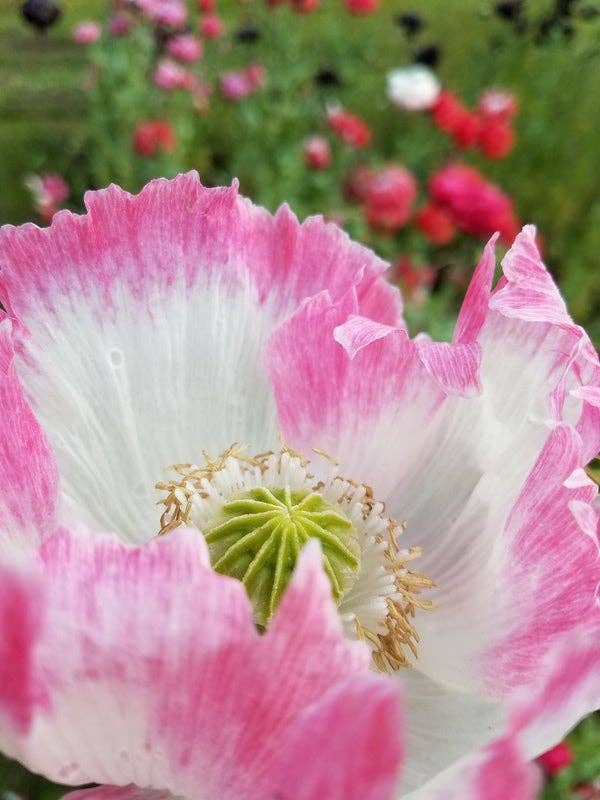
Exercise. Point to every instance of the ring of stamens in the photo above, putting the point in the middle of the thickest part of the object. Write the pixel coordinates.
(378, 605)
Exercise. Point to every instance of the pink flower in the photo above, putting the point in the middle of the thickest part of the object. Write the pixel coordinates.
(389, 198)
(169, 13)
(182, 320)
(169, 75)
(49, 192)
(87, 32)
(499, 104)
(185, 47)
(211, 26)
(317, 153)
(475, 205)
(236, 85)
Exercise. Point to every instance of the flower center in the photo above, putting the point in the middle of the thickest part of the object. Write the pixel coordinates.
(256, 514)
(258, 535)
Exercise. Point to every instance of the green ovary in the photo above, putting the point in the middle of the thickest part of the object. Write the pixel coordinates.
(258, 536)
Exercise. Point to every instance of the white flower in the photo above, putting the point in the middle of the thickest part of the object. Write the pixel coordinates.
(413, 88)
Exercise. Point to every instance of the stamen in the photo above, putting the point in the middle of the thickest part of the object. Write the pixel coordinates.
(256, 512)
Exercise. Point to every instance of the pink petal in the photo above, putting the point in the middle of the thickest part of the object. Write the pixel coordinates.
(475, 445)
(156, 676)
(139, 329)
(566, 690)
(28, 473)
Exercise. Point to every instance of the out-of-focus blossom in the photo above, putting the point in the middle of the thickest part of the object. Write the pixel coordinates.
(211, 26)
(556, 759)
(120, 24)
(41, 13)
(49, 190)
(249, 34)
(168, 13)
(185, 47)
(476, 205)
(362, 6)
(496, 137)
(415, 279)
(447, 111)
(357, 182)
(237, 84)
(389, 198)
(317, 153)
(428, 55)
(206, 6)
(87, 32)
(435, 223)
(153, 136)
(498, 103)
(350, 128)
(410, 21)
(466, 129)
(413, 88)
(305, 6)
(169, 75)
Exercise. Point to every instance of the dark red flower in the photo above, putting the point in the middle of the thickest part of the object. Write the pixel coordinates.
(357, 182)
(206, 6)
(435, 223)
(305, 6)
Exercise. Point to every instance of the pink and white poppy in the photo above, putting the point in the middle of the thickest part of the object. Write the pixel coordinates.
(168, 329)
(169, 75)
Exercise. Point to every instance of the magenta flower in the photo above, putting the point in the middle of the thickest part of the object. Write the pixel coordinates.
(50, 191)
(168, 329)
(185, 47)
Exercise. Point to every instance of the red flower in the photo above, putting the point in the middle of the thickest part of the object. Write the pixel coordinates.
(496, 138)
(435, 223)
(152, 136)
(414, 280)
(389, 198)
(475, 205)
(466, 129)
(305, 6)
(555, 760)
(357, 182)
(362, 6)
(317, 153)
(211, 26)
(352, 130)
(206, 6)
(447, 112)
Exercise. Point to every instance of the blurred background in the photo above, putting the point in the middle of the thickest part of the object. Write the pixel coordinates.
(420, 127)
